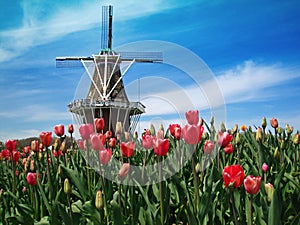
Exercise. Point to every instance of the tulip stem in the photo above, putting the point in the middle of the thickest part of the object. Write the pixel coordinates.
(161, 192)
(195, 184)
(233, 208)
(251, 209)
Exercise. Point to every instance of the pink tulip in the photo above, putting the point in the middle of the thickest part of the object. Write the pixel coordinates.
(192, 117)
(96, 142)
(105, 156)
(31, 179)
(209, 147)
(86, 130)
(192, 133)
(81, 144)
(124, 170)
(252, 184)
(265, 167)
(147, 141)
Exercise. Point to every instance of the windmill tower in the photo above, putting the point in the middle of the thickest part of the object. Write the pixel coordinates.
(106, 97)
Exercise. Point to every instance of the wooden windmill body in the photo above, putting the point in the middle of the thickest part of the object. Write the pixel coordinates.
(106, 97)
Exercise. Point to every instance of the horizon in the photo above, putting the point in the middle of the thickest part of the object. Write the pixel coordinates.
(251, 50)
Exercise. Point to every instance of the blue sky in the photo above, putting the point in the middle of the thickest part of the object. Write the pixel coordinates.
(251, 47)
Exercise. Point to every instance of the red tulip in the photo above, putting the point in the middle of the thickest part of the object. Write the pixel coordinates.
(175, 131)
(228, 149)
(124, 170)
(127, 148)
(108, 134)
(99, 123)
(147, 141)
(46, 138)
(274, 122)
(31, 179)
(224, 138)
(192, 133)
(70, 128)
(59, 130)
(192, 117)
(209, 147)
(86, 130)
(16, 156)
(96, 141)
(233, 175)
(252, 184)
(5, 154)
(11, 145)
(112, 142)
(105, 156)
(161, 147)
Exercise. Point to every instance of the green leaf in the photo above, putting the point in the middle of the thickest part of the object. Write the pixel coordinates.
(275, 210)
(117, 217)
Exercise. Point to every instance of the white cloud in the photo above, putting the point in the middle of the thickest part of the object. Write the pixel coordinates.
(43, 23)
(36, 113)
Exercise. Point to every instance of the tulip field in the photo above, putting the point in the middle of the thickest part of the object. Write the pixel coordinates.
(195, 173)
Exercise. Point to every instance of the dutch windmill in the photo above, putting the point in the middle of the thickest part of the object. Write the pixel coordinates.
(106, 96)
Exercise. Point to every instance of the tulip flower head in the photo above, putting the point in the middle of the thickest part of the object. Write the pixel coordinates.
(265, 167)
(46, 138)
(233, 176)
(269, 188)
(86, 130)
(127, 148)
(105, 156)
(192, 133)
(192, 117)
(161, 147)
(252, 184)
(123, 173)
(243, 128)
(70, 128)
(224, 138)
(175, 131)
(99, 124)
(31, 179)
(59, 130)
(147, 141)
(274, 123)
(11, 145)
(112, 142)
(208, 147)
(97, 142)
(228, 149)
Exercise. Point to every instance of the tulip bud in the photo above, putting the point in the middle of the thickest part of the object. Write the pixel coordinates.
(32, 166)
(264, 123)
(99, 200)
(127, 136)
(279, 130)
(288, 129)
(197, 168)
(265, 167)
(1, 194)
(41, 156)
(67, 186)
(34, 145)
(119, 128)
(282, 144)
(258, 136)
(56, 143)
(59, 170)
(274, 123)
(243, 128)
(152, 129)
(234, 129)
(296, 139)
(63, 147)
(276, 154)
(135, 135)
(223, 128)
(70, 128)
(269, 188)
(237, 138)
(212, 120)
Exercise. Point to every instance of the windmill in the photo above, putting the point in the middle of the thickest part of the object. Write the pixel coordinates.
(106, 97)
